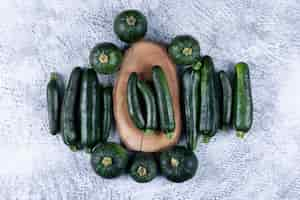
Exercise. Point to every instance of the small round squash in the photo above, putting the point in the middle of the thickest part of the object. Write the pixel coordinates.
(130, 25)
(178, 164)
(105, 58)
(109, 160)
(184, 50)
(143, 168)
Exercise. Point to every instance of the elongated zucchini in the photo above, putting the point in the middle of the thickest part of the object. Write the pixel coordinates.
(107, 113)
(90, 120)
(164, 101)
(69, 112)
(242, 100)
(226, 98)
(208, 124)
(134, 107)
(191, 95)
(53, 103)
(151, 111)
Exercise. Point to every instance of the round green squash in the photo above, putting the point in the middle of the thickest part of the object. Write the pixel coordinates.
(184, 50)
(130, 25)
(143, 168)
(105, 58)
(109, 160)
(178, 164)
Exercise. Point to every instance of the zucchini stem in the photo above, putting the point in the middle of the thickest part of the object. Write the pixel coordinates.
(240, 134)
(169, 135)
(73, 148)
(53, 76)
(148, 131)
(206, 139)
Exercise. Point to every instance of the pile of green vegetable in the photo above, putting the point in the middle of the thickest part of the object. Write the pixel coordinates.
(83, 111)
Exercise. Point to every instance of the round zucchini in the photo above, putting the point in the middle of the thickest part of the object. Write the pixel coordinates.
(178, 164)
(109, 160)
(105, 58)
(184, 50)
(130, 26)
(144, 168)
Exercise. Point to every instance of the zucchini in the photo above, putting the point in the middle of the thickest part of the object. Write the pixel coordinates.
(53, 103)
(191, 95)
(149, 99)
(69, 112)
(209, 115)
(164, 100)
(226, 98)
(90, 110)
(242, 100)
(134, 107)
(107, 113)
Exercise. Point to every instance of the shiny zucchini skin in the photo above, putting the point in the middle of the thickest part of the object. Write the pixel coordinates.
(151, 111)
(134, 107)
(90, 110)
(54, 103)
(107, 118)
(164, 101)
(191, 95)
(69, 111)
(226, 98)
(242, 100)
(209, 115)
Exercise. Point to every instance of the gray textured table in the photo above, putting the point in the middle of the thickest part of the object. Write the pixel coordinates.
(39, 36)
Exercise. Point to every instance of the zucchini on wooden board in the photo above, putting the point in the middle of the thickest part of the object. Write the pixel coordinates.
(90, 110)
(242, 100)
(69, 111)
(54, 100)
(140, 58)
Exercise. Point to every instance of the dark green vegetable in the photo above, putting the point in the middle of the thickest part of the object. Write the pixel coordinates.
(178, 164)
(54, 103)
(242, 100)
(144, 168)
(107, 113)
(226, 98)
(69, 112)
(109, 160)
(106, 58)
(134, 107)
(149, 99)
(209, 114)
(164, 101)
(184, 50)
(90, 110)
(191, 95)
(130, 26)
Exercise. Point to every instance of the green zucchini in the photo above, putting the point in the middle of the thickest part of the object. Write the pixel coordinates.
(107, 113)
(226, 98)
(53, 103)
(90, 113)
(208, 124)
(69, 112)
(191, 95)
(164, 101)
(149, 99)
(134, 107)
(242, 100)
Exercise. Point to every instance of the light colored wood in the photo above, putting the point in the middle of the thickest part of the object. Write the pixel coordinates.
(140, 58)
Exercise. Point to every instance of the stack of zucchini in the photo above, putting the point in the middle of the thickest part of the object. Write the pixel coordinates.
(83, 112)
(210, 100)
(139, 93)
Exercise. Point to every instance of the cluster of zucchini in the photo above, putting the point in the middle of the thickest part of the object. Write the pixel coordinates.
(140, 94)
(210, 100)
(84, 114)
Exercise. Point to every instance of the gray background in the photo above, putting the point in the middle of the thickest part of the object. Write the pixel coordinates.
(39, 36)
